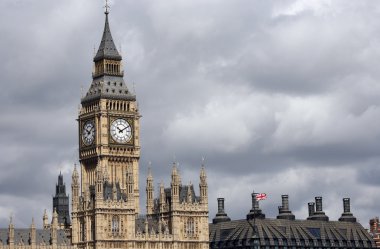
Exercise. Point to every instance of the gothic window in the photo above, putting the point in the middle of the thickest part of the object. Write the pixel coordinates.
(82, 230)
(189, 227)
(92, 229)
(115, 228)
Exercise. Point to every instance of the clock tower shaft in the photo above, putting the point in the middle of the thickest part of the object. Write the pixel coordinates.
(105, 202)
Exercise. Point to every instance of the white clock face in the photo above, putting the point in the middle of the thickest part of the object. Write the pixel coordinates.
(121, 131)
(88, 133)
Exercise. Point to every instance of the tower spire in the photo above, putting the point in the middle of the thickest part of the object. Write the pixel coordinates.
(107, 48)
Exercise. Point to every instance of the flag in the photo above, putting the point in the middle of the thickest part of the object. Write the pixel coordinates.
(261, 196)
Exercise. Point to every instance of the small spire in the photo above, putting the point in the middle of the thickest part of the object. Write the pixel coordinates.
(150, 170)
(11, 219)
(105, 175)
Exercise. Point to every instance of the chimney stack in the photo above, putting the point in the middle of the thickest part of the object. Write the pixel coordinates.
(347, 215)
(255, 212)
(284, 212)
(318, 214)
(311, 206)
(318, 204)
(221, 216)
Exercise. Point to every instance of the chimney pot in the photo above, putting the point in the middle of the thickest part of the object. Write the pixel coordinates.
(220, 205)
(285, 202)
(318, 204)
(346, 205)
(311, 208)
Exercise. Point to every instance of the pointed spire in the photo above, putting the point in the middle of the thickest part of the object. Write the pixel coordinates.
(189, 194)
(11, 220)
(32, 233)
(106, 177)
(203, 174)
(45, 219)
(107, 48)
(75, 176)
(60, 179)
(55, 217)
(11, 231)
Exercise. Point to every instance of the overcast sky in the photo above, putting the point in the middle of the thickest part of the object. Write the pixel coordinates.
(280, 97)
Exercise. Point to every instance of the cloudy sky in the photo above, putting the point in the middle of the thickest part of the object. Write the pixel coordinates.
(281, 97)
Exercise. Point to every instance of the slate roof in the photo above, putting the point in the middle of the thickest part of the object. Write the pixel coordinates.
(110, 87)
(183, 192)
(289, 233)
(22, 236)
(107, 48)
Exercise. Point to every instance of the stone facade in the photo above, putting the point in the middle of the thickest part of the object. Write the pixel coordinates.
(50, 237)
(105, 195)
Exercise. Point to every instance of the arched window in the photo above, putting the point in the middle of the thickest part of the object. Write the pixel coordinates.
(189, 227)
(115, 225)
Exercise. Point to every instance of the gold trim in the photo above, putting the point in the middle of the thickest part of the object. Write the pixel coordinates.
(83, 123)
(130, 121)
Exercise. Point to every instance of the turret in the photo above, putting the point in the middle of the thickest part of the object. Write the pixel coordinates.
(149, 193)
(175, 183)
(61, 203)
(203, 189)
(45, 220)
(162, 201)
(75, 189)
(11, 234)
(33, 235)
(53, 229)
(221, 216)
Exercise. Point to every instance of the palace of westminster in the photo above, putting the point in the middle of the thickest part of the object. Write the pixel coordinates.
(105, 196)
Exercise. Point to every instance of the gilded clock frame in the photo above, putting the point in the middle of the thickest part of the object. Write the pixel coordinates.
(83, 122)
(130, 121)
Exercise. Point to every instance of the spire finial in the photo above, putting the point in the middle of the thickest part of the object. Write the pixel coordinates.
(107, 7)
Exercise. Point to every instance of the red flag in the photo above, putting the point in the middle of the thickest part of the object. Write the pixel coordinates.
(261, 196)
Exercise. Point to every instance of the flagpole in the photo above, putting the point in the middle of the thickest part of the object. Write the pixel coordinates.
(255, 244)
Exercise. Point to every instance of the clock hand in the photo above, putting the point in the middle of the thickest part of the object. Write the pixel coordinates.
(120, 130)
(124, 128)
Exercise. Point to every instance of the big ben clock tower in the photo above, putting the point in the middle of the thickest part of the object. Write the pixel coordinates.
(106, 199)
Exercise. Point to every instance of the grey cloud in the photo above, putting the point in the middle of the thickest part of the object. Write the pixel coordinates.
(294, 82)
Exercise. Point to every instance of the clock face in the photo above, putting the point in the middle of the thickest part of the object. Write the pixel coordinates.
(88, 132)
(121, 131)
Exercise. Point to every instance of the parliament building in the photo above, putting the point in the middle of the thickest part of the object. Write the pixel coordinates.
(105, 195)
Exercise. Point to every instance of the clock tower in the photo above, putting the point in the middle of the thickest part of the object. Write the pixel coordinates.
(105, 201)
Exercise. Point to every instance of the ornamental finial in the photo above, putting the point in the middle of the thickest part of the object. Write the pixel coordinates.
(107, 7)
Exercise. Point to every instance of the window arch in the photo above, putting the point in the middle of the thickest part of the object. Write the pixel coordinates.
(115, 225)
(190, 227)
